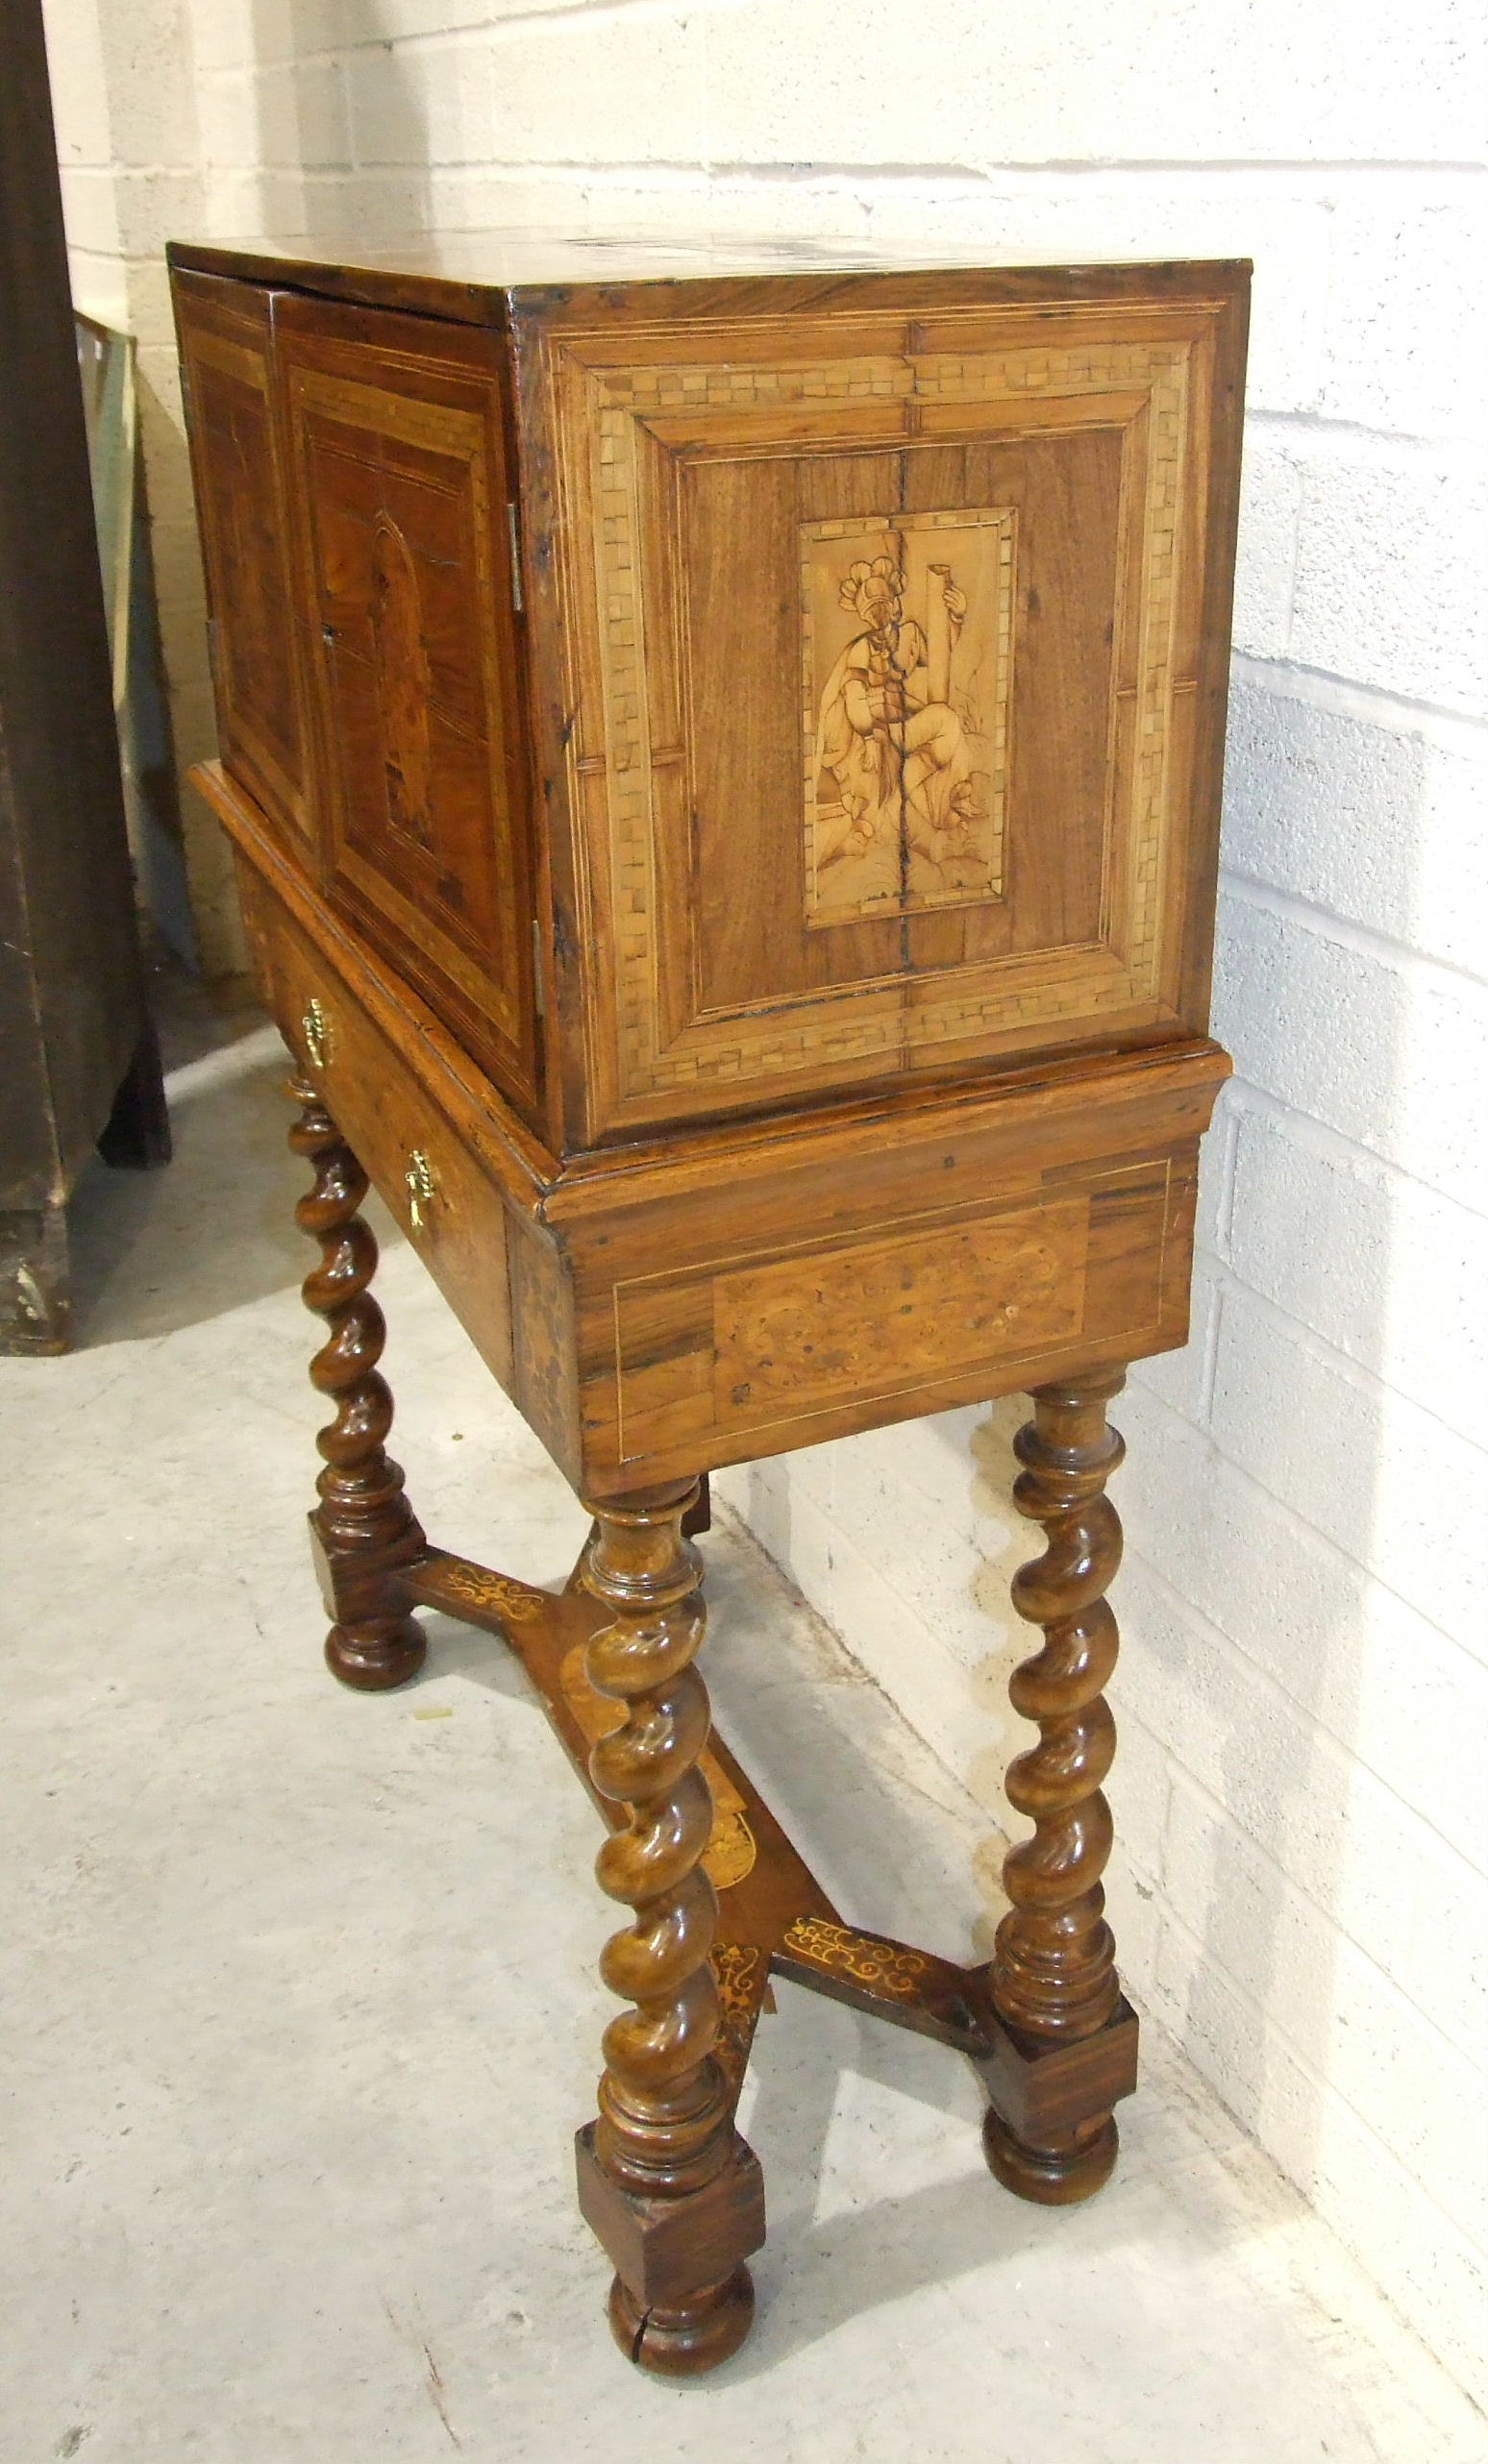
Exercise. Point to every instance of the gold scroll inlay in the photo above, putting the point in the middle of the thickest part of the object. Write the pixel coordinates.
(887, 1967)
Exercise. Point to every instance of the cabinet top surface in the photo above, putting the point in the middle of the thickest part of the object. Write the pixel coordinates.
(479, 276)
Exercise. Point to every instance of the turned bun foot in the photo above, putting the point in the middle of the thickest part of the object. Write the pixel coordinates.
(374, 1659)
(683, 2339)
(1054, 2177)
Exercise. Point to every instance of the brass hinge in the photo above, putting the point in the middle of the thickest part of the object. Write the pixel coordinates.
(515, 537)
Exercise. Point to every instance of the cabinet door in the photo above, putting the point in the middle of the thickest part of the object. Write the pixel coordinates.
(398, 518)
(237, 472)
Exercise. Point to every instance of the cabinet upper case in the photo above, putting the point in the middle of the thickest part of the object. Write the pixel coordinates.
(729, 694)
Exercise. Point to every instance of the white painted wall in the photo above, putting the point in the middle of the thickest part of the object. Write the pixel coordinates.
(124, 95)
(1299, 1886)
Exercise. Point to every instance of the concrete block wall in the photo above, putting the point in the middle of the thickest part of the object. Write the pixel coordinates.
(1300, 1887)
(125, 100)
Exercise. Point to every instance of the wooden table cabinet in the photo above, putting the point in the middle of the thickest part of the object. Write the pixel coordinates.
(725, 776)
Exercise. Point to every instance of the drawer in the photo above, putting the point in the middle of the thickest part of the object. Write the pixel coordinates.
(448, 1206)
(822, 1329)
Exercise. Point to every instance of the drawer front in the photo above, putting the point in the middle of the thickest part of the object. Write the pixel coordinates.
(450, 1212)
(236, 466)
(398, 503)
(900, 648)
(718, 1358)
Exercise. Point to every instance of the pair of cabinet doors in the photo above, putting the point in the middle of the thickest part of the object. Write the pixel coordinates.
(351, 483)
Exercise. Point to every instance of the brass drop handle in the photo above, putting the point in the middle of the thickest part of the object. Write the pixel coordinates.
(315, 1028)
(421, 1186)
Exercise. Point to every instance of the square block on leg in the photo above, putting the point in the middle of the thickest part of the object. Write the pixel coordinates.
(1042, 2091)
(664, 2249)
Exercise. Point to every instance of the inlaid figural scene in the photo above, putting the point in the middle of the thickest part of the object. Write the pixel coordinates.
(909, 728)
(724, 776)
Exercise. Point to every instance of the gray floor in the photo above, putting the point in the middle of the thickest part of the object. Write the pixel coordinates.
(302, 2000)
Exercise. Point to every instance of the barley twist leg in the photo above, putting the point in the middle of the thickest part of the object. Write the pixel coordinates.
(1053, 1977)
(665, 2180)
(364, 1528)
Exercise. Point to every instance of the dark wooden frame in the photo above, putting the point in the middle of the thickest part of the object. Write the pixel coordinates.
(82, 1067)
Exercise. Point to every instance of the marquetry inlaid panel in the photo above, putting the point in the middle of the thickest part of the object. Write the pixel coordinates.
(907, 631)
(399, 487)
(728, 1353)
(811, 881)
(226, 366)
(819, 1324)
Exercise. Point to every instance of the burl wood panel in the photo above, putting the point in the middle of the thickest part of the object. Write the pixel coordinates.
(237, 471)
(818, 1324)
(399, 496)
(884, 641)
(814, 1333)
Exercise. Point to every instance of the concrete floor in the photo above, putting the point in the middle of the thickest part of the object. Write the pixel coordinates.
(302, 1998)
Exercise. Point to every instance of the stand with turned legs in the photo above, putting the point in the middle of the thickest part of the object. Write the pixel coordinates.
(723, 782)
(674, 2195)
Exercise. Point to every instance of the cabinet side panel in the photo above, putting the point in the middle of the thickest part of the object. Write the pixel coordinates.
(1213, 514)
